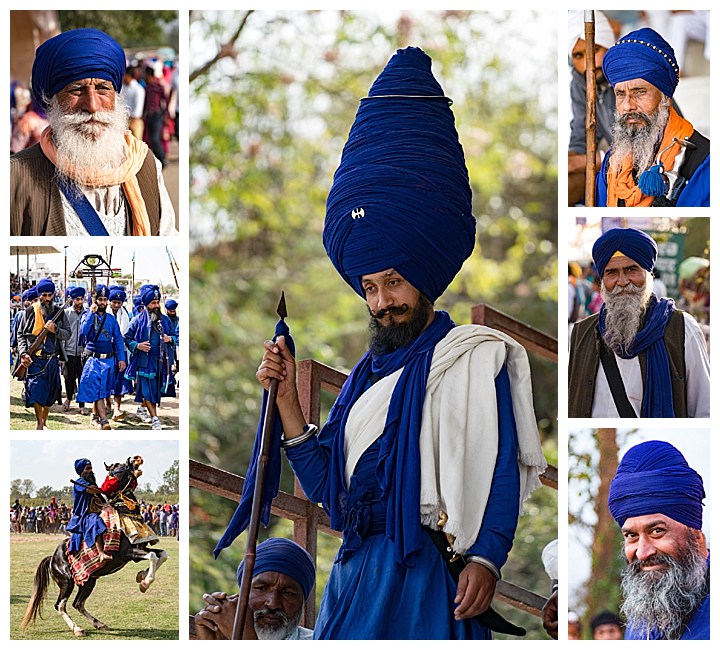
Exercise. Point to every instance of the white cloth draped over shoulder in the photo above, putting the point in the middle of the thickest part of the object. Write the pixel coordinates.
(459, 433)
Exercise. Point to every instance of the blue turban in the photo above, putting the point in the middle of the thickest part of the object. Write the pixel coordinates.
(137, 301)
(101, 291)
(77, 54)
(45, 285)
(286, 557)
(118, 293)
(80, 464)
(643, 54)
(655, 477)
(149, 293)
(77, 292)
(171, 304)
(633, 243)
(30, 294)
(401, 196)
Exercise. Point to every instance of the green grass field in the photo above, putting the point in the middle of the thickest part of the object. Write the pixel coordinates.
(116, 600)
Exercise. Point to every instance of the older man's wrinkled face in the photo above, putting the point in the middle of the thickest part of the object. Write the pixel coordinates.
(622, 271)
(276, 601)
(635, 100)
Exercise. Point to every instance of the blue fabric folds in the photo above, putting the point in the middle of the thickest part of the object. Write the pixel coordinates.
(655, 477)
(657, 399)
(241, 517)
(643, 54)
(634, 243)
(77, 54)
(401, 196)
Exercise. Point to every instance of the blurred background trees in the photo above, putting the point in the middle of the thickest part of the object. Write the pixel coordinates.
(273, 96)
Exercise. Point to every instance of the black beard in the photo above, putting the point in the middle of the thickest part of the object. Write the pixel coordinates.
(90, 478)
(385, 339)
(154, 314)
(101, 308)
(47, 309)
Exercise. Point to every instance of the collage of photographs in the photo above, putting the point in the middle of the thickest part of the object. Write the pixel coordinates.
(287, 364)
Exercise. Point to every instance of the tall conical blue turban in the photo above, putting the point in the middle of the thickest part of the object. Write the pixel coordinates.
(631, 242)
(401, 196)
(654, 477)
(102, 291)
(77, 54)
(643, 54)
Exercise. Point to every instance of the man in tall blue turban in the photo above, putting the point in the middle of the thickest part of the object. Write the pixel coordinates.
(74, 347)
(283, 578)
(388, 465)
(88, 175)
(149, 337)
(639, 356)
(657, 157)
(105, 356)
(42, 375)
(657, 500)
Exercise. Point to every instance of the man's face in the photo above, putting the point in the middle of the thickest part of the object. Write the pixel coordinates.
(78, 303)
(578, 58)
(648, 537)
(87, 473)
(88, 96)
(171, 312)
(622, 271)
(47, 298)
(116, 304)
(102, 303)
(607, 632)
(276, 601)
(635, 100)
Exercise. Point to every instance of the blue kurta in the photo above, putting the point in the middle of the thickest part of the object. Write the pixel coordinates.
(85, 526)
(368, 594)
(98, 377)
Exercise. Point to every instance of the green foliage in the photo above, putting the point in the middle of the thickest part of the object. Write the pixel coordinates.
(171, 479)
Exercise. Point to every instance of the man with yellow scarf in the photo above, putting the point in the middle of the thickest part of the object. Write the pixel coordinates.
(88, 175)
(42, 376)
(657, 158)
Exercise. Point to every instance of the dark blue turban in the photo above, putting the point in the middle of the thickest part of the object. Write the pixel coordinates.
(77, 292)
(30, 294)
(45, 285)
(401, 196)
(643, 54)
(655, 477)
(171, 304)
(77, 54)
(633, 243)
(149, 293)
(80, 464)
(286, 557)
(101, 291)
(118, 293)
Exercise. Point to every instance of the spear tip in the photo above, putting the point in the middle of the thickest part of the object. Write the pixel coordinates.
(282, 308)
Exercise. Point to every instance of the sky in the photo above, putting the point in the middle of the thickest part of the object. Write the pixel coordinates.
(52, 462)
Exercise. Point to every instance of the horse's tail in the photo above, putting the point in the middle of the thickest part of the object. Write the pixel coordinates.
(40, 585)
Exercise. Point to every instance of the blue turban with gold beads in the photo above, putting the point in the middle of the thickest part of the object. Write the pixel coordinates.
(401, 196)
(654, 477)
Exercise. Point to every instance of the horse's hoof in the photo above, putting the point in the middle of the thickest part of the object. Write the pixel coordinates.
(143, 587)
(78, 631)
(102, 627)
(140, 576)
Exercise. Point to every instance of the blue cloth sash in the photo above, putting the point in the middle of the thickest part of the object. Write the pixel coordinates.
(85, 211)
(657, 399)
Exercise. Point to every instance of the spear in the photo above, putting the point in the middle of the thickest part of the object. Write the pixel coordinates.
(590, 117)
(173, 264)
(263, 460)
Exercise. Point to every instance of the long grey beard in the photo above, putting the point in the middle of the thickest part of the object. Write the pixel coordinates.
(89, 141)
(624, 312)
(640, 143)
(660, 600)
(276, 634)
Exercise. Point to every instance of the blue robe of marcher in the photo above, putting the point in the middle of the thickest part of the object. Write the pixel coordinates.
(42, 378)
(695, 194)
(371, 596)
(151, 370)
(101, 337)
(85, 526)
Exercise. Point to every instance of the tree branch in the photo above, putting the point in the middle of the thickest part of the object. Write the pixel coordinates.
(227, 50)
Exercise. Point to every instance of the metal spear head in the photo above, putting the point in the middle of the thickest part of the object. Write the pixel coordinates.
(282, 308)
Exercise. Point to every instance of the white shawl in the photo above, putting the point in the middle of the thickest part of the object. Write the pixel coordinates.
(459, 432)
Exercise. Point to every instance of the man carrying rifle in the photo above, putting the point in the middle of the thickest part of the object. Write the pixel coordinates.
(39, 350)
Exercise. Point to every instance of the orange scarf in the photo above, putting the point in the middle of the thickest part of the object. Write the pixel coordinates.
(125, 175)
(39, 319)
(620, 182)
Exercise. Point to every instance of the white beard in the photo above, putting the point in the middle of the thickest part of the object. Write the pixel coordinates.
(624, 312)
(279, 633)
(93, 141)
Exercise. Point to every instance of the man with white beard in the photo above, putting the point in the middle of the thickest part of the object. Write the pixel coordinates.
(657, 158)
(88, 175)
(639, 356)
(656, 499)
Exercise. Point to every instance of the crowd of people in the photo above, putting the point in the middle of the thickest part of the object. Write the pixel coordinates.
(102, 349)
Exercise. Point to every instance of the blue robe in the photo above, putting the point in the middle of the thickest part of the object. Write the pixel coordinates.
(85, 526)
(98, 375)
(695, 194)
(371, 596)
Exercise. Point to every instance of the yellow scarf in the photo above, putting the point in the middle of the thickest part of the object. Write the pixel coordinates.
(125, 175)
(621, 184)
(39, 319)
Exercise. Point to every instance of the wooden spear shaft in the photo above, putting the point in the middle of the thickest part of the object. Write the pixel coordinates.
(590, 105)
(254, 526)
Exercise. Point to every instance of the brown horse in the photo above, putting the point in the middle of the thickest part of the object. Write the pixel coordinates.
(58, 566)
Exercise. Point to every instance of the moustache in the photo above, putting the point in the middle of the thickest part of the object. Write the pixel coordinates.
(395, 311)
(635, 115)
(276, 613)
(83, 117)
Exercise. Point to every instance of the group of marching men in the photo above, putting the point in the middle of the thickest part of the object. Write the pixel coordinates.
(105, 350)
